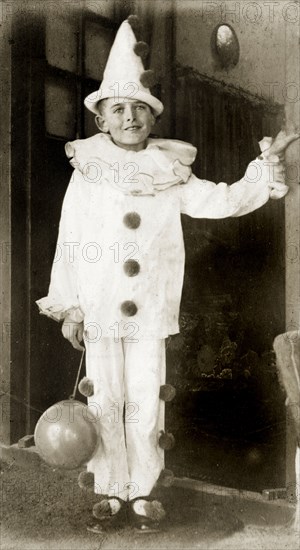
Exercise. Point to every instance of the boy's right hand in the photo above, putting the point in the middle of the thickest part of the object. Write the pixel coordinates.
(280, 143)
(73, 332)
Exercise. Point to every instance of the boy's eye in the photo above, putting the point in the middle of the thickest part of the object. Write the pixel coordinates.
(119, 110)
(142, 107)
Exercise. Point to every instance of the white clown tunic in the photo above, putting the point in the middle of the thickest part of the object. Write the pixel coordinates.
(119, 268)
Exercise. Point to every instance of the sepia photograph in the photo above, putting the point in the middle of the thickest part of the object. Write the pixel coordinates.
(149, 269)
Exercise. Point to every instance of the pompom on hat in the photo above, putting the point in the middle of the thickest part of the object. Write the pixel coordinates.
(124, 75)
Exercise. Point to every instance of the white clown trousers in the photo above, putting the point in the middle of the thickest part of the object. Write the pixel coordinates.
(127, 377)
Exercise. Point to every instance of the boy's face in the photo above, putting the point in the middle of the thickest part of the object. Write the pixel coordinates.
(128, 121)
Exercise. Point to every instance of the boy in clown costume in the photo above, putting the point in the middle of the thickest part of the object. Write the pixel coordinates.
(117, 279)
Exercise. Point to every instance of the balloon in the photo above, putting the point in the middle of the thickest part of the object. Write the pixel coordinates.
(66, 435)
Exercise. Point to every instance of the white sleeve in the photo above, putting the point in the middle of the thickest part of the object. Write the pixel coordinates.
(205, 199)
(62, 298)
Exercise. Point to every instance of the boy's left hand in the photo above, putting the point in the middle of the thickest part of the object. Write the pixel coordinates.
(73, 332)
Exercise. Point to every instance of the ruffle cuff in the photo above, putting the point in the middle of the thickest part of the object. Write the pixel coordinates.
(58, 312)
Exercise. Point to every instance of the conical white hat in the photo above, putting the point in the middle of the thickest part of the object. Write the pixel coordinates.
(121, 77)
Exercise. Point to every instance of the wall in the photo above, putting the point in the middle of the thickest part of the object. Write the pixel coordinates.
(260, 29)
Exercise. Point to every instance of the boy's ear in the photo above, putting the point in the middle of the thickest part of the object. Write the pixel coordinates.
(153, 119)
(101, 123)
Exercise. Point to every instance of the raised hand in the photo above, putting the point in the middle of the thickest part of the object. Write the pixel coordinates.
(279, 144)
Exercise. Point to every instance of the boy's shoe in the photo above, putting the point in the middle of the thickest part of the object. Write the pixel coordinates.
(110, 513)
(146, 515)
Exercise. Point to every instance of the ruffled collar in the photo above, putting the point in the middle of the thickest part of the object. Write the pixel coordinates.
(162, 164)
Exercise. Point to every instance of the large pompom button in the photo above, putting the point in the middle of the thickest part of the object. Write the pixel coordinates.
(132, 220)
(167, 392)
(166, 440)
(86, 387)
(131, 268)
(128, 308)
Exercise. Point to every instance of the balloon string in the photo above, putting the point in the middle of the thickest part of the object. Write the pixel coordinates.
(72, 396)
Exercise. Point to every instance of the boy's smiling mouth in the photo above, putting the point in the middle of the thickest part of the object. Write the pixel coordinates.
(133, 128)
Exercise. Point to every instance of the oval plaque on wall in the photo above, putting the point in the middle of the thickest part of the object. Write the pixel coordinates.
(225, 46)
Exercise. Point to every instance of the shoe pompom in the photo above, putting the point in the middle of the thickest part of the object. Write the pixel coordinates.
(106, 508)
(102, 509)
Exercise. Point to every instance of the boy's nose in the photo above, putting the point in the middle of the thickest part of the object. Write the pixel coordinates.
(129, 112)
